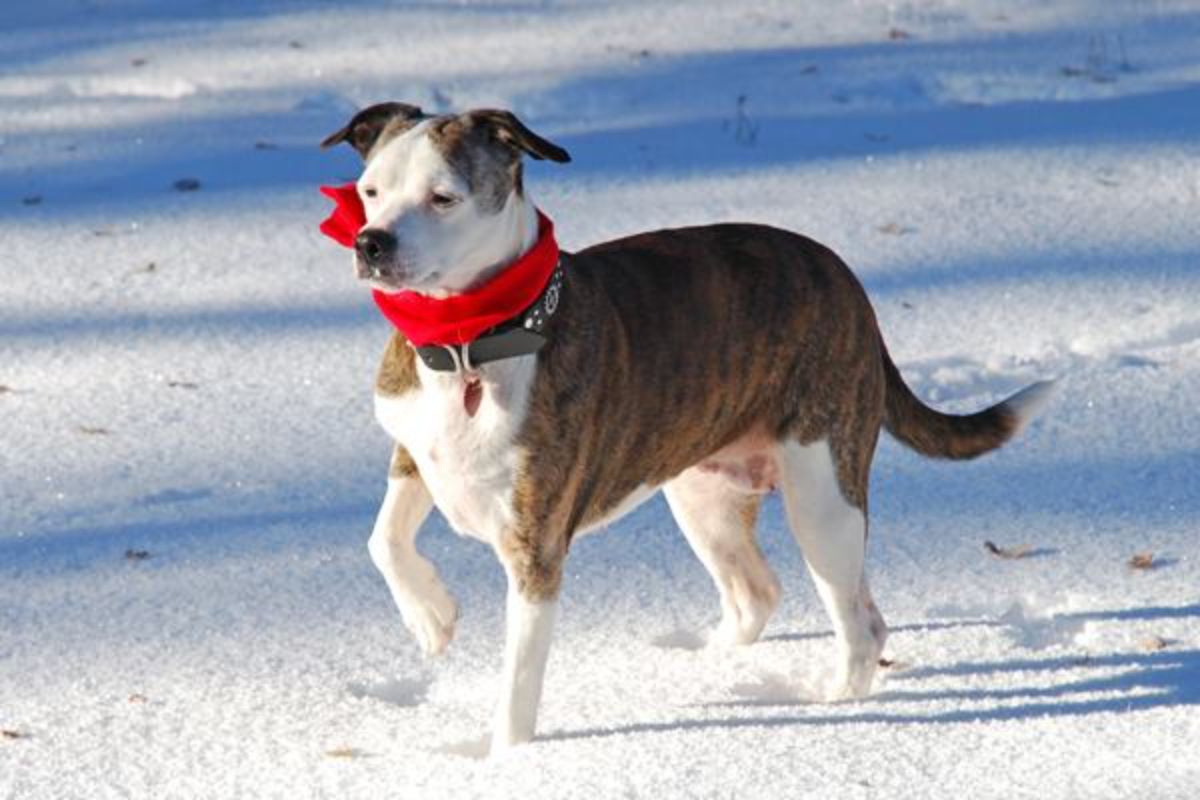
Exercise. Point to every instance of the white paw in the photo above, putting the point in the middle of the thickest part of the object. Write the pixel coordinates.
(852, 682)
(730, 632)
(505, 741)
(431, 619)
(500, 748)
(738, 627)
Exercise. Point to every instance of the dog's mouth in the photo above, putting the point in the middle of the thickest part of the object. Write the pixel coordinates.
(390, 278)
(373, 272)
(379, 277)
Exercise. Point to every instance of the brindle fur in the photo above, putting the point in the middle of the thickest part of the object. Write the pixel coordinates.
(741, 317)
(398, 370)
(402, 465)
(943, 435)
(398, 374)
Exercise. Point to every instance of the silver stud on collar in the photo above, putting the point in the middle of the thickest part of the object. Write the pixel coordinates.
(536, 317)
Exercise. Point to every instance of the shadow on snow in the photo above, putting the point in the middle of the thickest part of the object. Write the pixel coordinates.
(1140, 681)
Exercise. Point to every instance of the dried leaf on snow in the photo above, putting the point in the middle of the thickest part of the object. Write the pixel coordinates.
(93, 430)
(893, 664)
(1142, 561)
(1020, 551)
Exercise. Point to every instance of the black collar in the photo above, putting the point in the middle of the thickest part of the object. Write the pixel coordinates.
(520, 336)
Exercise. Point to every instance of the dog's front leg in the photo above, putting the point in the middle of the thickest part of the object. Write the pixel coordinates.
(427, 608)
(534, 578)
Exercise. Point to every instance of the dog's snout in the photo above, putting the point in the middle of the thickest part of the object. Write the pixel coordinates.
(375, 246)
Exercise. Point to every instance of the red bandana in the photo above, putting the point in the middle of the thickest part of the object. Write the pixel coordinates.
(460, 318)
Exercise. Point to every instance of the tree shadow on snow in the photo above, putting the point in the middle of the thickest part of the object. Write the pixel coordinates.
(248, 320)
(917, 627)
(1132, 682)
(742, 109)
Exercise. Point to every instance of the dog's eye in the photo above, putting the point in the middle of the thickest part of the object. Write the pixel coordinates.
(370, 192)
(442, 200)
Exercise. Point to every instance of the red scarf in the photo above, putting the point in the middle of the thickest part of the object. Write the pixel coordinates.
(460, 318)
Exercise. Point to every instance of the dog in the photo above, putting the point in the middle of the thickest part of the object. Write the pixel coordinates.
(715, 363)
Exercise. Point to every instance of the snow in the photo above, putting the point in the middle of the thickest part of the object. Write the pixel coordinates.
(1017, 184)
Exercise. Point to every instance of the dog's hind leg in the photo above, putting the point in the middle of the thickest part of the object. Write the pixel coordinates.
(427, 608)
(832, 534)
(718, 520)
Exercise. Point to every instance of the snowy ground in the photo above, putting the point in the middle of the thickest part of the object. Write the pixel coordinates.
(188, 374)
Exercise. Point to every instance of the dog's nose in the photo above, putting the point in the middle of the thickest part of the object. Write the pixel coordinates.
(375, 246)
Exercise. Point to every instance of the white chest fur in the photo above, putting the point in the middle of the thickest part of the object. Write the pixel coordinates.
(468, 461)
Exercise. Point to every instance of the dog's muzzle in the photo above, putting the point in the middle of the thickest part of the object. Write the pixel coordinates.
(376, 251)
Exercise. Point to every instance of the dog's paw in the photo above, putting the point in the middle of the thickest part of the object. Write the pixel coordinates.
(502, 748)
(852, 681)
(431, 620)
(730, 633)
(741, 625)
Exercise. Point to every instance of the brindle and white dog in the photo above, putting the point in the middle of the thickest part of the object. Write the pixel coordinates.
(716, 363)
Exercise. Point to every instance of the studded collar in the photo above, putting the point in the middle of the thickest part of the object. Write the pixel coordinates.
(522, 335)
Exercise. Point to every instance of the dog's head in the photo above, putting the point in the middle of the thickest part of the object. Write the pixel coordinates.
(443, 194)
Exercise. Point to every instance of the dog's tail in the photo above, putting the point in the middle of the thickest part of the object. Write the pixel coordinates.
(932, 433)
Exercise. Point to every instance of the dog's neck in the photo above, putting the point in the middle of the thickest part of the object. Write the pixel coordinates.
(514, 234)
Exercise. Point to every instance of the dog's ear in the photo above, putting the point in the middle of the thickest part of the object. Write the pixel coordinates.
(363, 130)
(506, 128)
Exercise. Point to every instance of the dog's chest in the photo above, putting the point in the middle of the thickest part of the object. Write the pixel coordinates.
(467, 460)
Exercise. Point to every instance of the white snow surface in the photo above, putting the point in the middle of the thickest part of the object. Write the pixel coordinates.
(1016, 182)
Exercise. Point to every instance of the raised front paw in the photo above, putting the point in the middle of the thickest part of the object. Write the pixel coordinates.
(431, 619)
